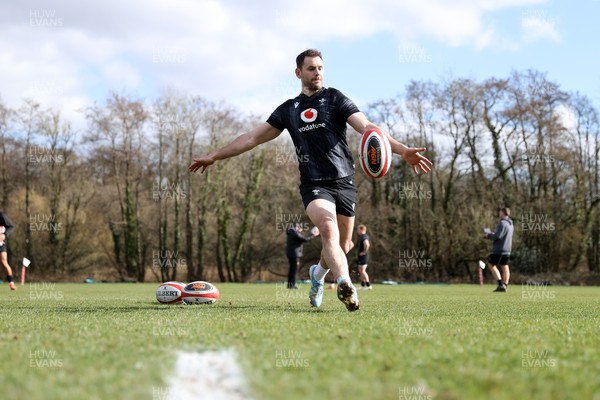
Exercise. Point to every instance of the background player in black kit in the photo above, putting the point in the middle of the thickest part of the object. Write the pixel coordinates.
(6, 228)
(316, 121)
(294, 250)
(363, 256)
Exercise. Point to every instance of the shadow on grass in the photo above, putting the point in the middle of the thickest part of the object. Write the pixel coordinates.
(144, 306)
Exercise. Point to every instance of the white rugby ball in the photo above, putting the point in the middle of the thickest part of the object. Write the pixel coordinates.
(170, 292)
(375, 153)
(200, 292)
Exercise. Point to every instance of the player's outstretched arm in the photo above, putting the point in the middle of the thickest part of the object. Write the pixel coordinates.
(411, 155)
(249, 140)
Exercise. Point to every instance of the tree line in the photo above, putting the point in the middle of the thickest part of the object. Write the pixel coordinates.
(115, 201)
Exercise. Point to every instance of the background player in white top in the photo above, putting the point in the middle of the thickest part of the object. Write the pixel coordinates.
(316, 121)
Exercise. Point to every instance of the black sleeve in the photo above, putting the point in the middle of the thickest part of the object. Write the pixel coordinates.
(7, 224)
(301, 238)
(276, 118)
(345, 105)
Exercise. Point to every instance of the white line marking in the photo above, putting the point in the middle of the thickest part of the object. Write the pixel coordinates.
(214, 375)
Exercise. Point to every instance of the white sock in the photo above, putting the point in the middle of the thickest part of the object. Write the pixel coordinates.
(320, 272)
(343, 278)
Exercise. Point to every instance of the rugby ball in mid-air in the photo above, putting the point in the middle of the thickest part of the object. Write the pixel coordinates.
(375, 153)
(170, 293)
(200, 292)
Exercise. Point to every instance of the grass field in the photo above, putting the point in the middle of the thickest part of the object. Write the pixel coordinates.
(114, 341)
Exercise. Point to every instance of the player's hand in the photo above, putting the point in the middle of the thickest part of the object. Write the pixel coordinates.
(416, 160)
(202, 162)
(315, 231)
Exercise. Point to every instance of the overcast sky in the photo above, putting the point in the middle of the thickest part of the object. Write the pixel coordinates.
(68, 54)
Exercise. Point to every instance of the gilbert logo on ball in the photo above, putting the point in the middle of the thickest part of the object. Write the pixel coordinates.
(200, 292)
(170, 293)
(309, 115)
(375, 153)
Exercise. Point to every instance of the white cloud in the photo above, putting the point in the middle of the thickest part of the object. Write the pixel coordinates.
(486, 39)
(239, 51)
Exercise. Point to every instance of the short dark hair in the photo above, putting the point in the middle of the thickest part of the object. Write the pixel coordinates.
(307, 53)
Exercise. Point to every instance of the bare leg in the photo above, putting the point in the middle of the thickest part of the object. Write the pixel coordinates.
(4, 261)
(322, 213)
(495, 272)
(362, 270)
(345, 227)
(505, 274)
(336, 235)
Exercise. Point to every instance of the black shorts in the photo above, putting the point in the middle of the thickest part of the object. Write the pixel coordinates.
(363, 260)
(499, 259)
(3, 247)
(341, 192)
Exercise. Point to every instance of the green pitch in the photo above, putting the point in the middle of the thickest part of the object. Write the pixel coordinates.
(114, 341)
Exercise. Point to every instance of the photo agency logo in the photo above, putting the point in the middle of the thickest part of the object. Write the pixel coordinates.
(45, 88)
(44, 359)
(45, 18)
(285, 221)
(44, 223)
(414, 55)
(169, 327)
(532, 358)
(167, 259)
(167, 191)
(419, 392)
(169, 55)
(413, 191)
(37, 154)
(415, 327)
(283, 293)
(537, 223)
(162, 393)
(414, 260)
(44, 291)
(290, 359)
(287, 87)
(290, 155)
(538, 155)
(537, 291)
(169, 124)
(284, 16)
(538, 19)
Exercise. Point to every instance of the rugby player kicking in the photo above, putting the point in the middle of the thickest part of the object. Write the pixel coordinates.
(316, 121)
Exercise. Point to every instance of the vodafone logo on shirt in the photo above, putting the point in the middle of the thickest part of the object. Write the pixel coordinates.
(309, 115)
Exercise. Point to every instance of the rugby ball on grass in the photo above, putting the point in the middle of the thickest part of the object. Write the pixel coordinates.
(200, 292)
(170, 293)
(375, 153)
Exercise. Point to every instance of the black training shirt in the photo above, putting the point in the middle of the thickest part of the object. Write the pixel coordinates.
(317, 125)
(361, 242)
(5, 222)
(295, 241)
